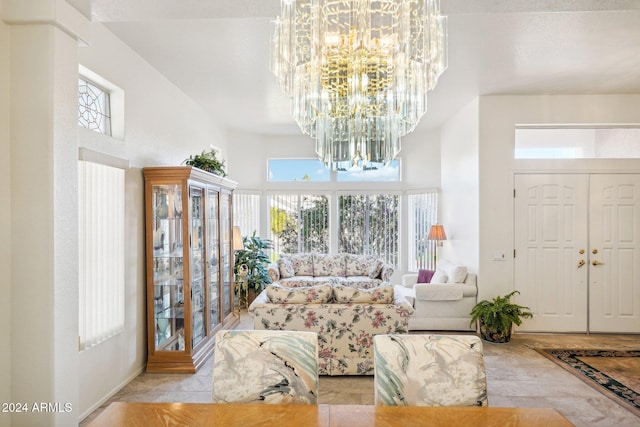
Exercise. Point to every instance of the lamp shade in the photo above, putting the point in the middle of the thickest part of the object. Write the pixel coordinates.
(237, 239)
(437, 233)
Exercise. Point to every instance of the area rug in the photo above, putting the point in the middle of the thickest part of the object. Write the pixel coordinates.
(614, 373)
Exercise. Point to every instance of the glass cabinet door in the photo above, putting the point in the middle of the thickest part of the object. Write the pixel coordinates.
(213, 245)
(168, 286)
(226, 255)
(196, 231)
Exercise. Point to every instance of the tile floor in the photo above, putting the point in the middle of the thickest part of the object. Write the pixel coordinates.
(516, 375)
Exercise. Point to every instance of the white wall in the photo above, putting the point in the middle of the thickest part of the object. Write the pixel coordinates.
(162, 127)
(5, 224)
(460, 187)
(498, 116)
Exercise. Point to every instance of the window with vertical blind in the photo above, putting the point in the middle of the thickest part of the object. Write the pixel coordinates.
(101, 197)
(422, 213)
(362, 224)
(299, 223)
(246, 213)
(368, 224)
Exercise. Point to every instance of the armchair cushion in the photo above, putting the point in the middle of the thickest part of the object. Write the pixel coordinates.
(439, 276)
(438, 292)
(455, 273)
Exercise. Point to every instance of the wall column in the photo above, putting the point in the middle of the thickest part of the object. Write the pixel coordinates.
(43, 139)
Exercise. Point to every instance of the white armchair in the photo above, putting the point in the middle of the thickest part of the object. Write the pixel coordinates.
(442, 306)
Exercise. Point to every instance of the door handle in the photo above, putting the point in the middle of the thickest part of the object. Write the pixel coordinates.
(581, 263)
(596, 262)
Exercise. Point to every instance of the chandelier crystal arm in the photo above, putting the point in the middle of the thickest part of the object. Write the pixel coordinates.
(357, 72)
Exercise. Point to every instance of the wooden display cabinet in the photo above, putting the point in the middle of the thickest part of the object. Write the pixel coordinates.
(189, 265)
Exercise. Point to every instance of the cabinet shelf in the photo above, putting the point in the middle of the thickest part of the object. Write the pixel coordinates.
(189, 261)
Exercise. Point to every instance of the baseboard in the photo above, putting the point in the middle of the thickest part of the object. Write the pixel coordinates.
(112, 393)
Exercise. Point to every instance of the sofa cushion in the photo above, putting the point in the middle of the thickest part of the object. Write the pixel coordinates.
(329, 265)
(378, 295)
(302, 264)
(424, 276)
(363, 282)
(319, 294)
(298, 281)
(358, 265)
(439, 276)
(285, 266)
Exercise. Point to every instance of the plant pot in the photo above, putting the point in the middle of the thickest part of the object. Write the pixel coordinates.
(493, 335)
(251, 296)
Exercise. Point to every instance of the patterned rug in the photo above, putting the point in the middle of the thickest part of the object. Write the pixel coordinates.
(614, 373)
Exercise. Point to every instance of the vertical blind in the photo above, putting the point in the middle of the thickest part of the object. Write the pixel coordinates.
(423, 212)
(246, 213)
(299, 223)
(368, 224)
(101, 263)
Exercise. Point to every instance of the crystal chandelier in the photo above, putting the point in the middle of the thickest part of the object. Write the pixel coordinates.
(358, 72)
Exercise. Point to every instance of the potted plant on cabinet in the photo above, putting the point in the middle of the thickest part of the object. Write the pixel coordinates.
(207, 161)
(496, 317)
(251, 266)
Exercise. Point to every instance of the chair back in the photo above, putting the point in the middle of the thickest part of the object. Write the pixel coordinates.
(429, 370)
(265, 367)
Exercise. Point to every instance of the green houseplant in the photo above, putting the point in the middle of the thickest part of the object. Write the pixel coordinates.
(207, 161)
(251, 264)
(496, 317)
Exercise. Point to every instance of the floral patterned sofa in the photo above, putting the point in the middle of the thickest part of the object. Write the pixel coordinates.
(308, 269)
(345, 318)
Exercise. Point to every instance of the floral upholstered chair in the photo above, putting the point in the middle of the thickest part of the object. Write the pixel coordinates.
(265, 367)
(429, 370)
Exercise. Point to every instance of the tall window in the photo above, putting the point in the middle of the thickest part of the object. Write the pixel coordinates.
(422, 213)
(94, 107)
(369, 225)
(101, 239)
(299, 223)
(246, 213)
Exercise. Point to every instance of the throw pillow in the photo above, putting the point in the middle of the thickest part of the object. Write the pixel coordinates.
(286, 267)
(319, 294)
(302, 264)
(378, 295)
(456, 273)
(439, 277)
(424, 276)
(375, 269)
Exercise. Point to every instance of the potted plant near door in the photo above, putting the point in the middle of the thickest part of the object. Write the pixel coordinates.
(251, 266)
(497, 317)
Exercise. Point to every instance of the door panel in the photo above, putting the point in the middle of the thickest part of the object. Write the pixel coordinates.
(550, 230)
(614, 283)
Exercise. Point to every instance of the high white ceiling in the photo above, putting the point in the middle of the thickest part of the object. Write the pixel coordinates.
(217, 51)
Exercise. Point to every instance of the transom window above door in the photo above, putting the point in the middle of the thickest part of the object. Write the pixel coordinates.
(577, 142)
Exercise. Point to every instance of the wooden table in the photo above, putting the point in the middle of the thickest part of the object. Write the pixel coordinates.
(134, 414)
(438, 416)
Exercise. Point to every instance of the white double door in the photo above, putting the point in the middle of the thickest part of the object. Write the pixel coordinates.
(577, 242)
